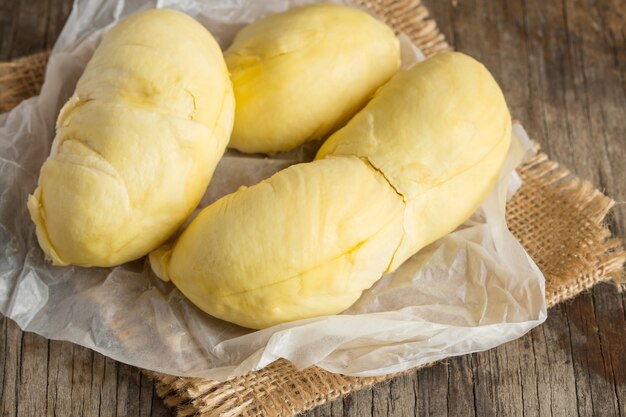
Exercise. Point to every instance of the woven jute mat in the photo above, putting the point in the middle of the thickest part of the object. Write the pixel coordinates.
(556, 216)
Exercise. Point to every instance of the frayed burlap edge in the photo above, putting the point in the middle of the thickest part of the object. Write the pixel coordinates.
(556, 216)
(559, 219)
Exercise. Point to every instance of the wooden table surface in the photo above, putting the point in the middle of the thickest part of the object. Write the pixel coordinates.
(562, 65)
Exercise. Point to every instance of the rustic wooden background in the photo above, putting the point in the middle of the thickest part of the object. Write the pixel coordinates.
(562, 65)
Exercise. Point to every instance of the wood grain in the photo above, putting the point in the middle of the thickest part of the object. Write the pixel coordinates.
(562, 65)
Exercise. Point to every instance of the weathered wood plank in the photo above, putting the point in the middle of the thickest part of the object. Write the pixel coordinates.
(482, 384)
(60, 369)
(58, 14)
(81, 380)
(402, 395)
(432, 391)
(32, 391)
(460, 396)
(358, 404)
(31, 27)
(12, 360)
(9, 12)
(586, 355)
(542, 367)
(525, 357)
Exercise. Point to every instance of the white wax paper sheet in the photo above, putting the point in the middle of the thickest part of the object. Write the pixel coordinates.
(470, 291)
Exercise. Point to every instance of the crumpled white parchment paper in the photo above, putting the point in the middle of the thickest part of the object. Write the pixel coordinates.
(470, 291)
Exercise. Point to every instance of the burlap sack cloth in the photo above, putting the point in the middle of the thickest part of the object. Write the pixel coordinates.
(556, 216)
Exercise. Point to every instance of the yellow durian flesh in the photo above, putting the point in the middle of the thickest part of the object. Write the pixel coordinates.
(137, 143)
(299, 74)
(409, 168)
(439, 133)
(303, 243)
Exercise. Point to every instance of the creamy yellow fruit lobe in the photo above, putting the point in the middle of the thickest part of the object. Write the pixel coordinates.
(300, 74)
(136, 144)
